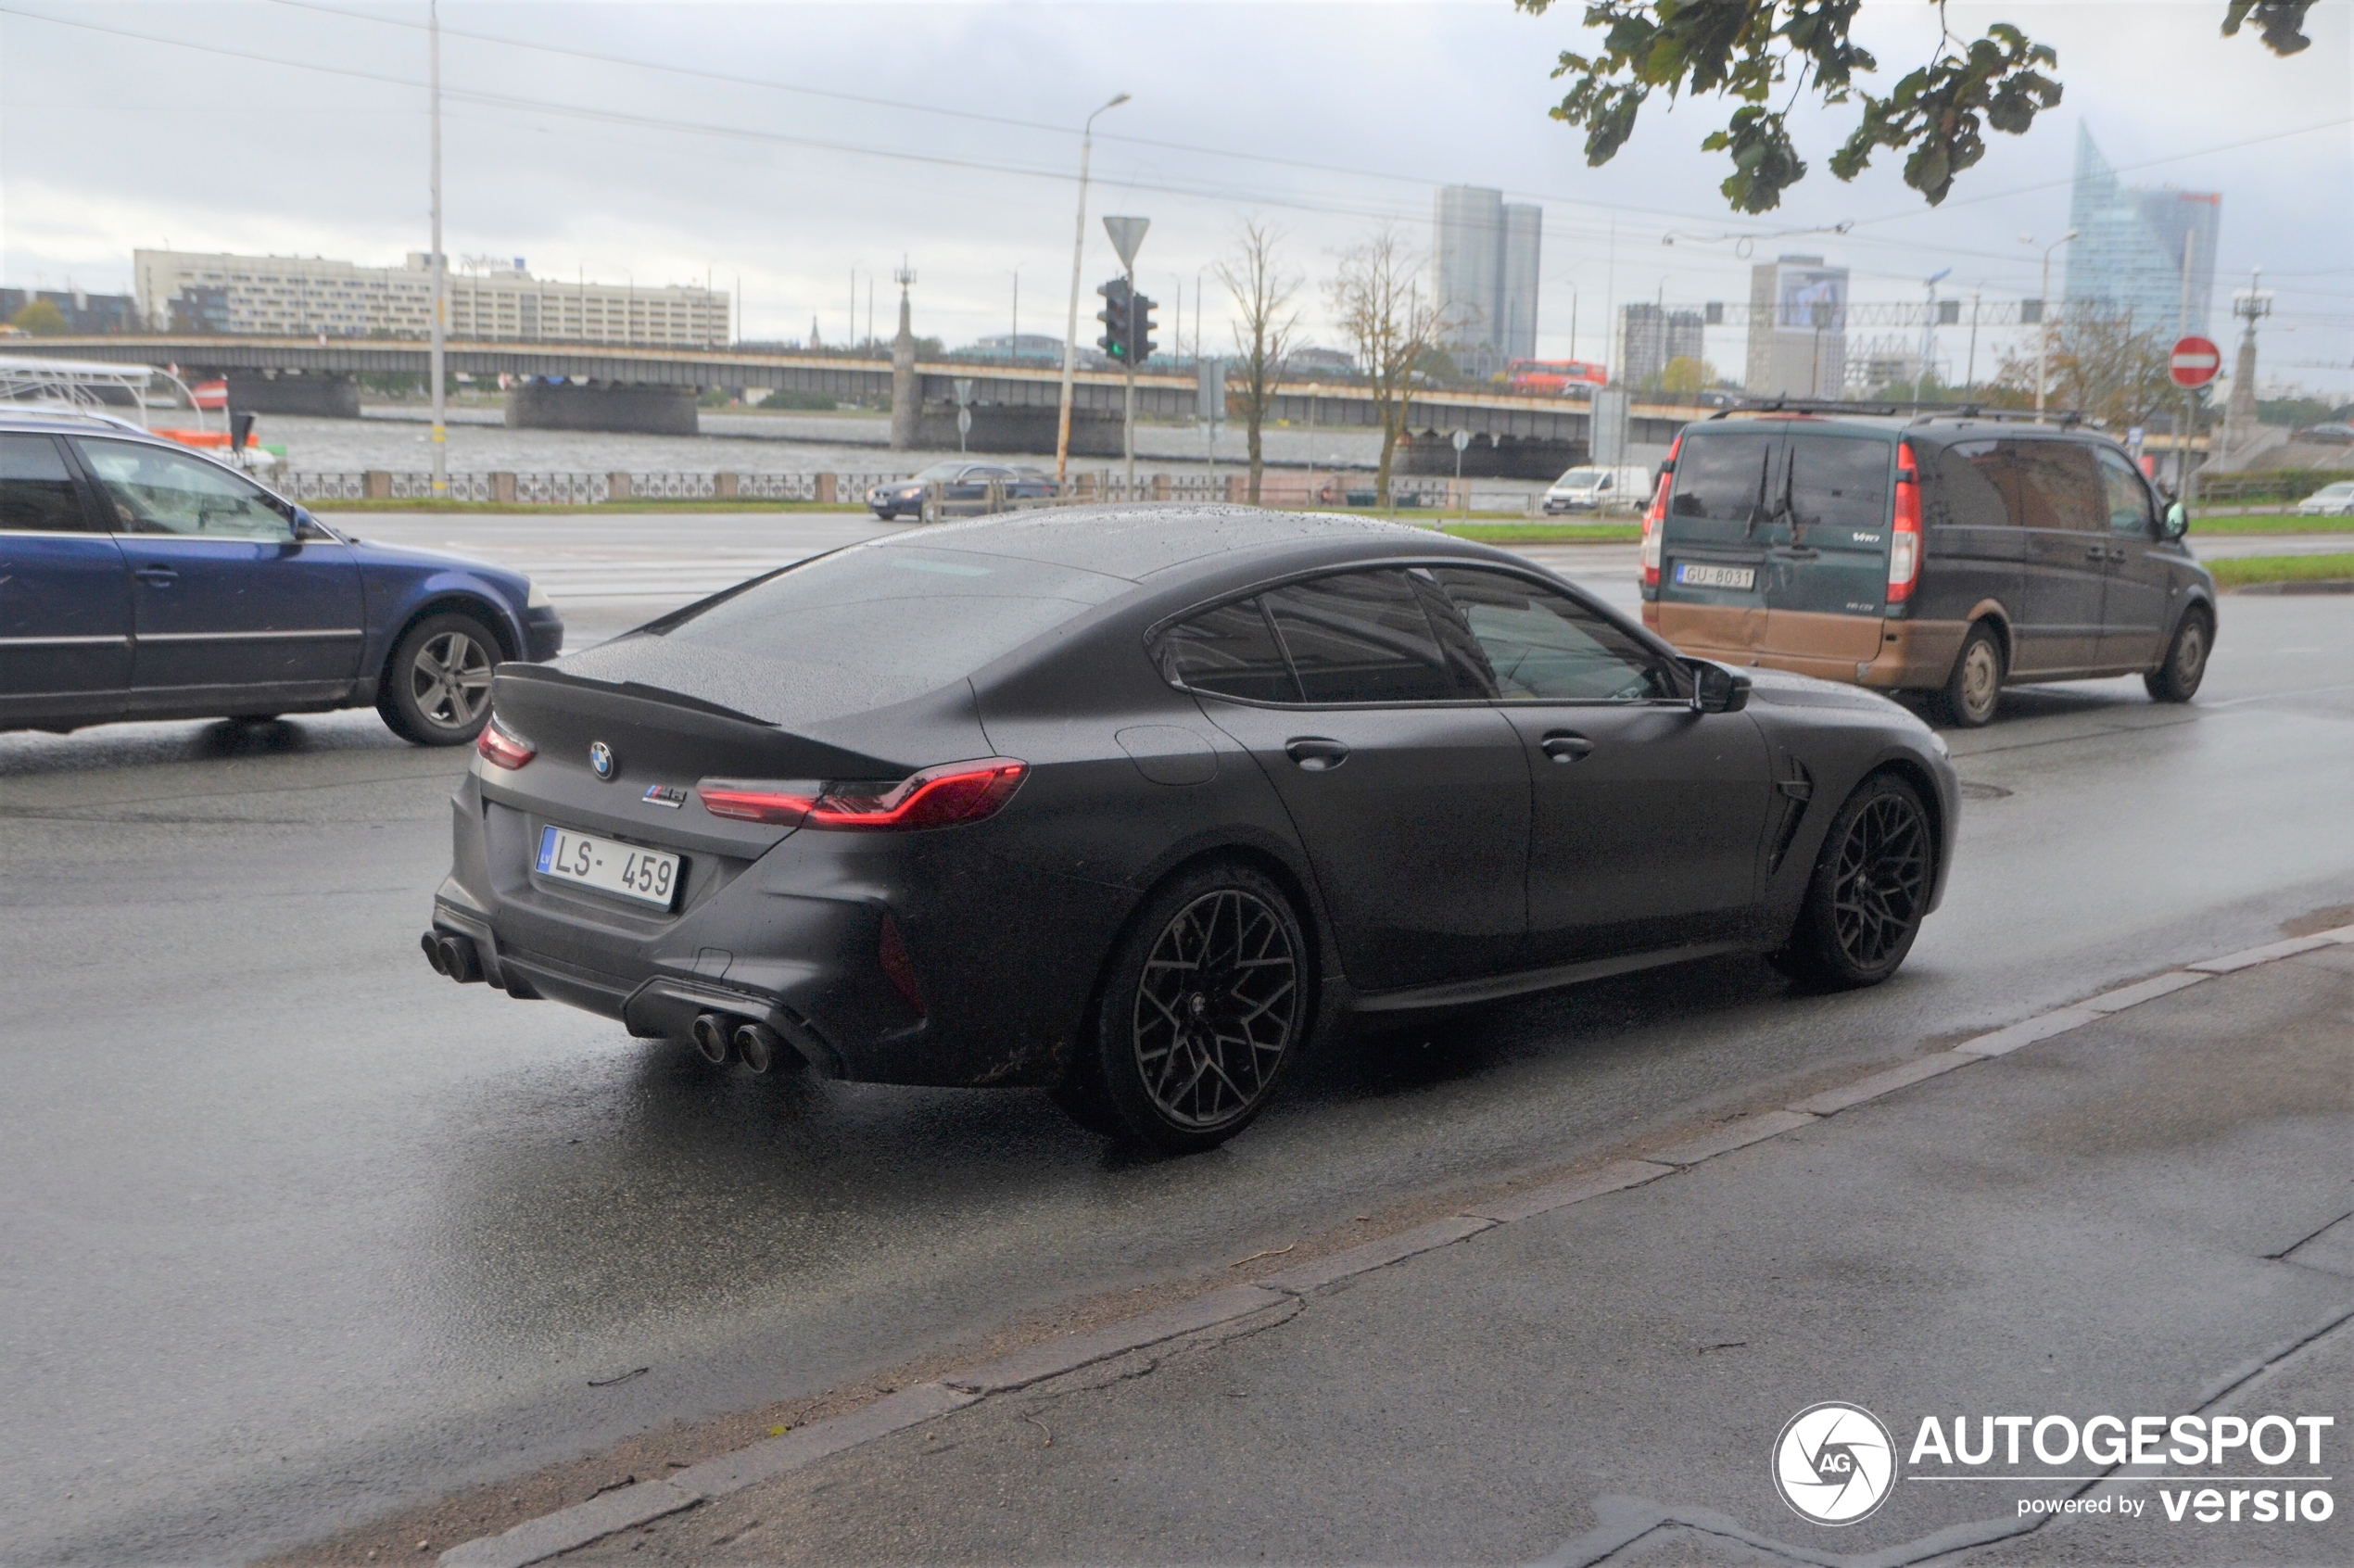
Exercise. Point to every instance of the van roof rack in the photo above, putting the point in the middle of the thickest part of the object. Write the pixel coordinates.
(1922, 413)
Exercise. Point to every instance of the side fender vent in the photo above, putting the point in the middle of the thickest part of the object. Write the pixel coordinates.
(1793, 787)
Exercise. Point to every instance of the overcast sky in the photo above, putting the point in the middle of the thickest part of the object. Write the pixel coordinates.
(1324, 120)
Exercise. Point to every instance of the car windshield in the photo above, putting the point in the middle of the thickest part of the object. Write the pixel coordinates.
(1579, 479)
(2334, 492)
(939, 470)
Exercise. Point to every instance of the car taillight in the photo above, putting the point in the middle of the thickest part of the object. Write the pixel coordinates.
(1656, 520)
(502, 747)
(1905, 528)
(936, 797)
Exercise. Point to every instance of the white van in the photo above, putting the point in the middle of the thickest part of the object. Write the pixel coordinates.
(1593, 489)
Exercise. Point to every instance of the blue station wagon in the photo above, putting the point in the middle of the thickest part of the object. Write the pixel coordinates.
(140, 580)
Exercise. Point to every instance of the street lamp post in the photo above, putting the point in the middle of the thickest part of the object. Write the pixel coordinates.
(1078, 262)
(2043, 332)
(440, 442)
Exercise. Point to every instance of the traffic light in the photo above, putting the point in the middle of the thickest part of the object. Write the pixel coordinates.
(1117, 318)
(1140, 335)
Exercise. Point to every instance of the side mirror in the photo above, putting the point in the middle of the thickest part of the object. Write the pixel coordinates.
(1716, 689)
(2177, 523)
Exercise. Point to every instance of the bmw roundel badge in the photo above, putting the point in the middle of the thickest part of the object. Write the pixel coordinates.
(601, 761)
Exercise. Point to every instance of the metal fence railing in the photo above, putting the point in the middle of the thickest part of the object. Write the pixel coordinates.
(1085, 488)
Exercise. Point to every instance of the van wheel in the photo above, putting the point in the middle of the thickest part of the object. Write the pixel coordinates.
(2177, 680)
(1869, 893)
(1975, 688)
(1205, 1002)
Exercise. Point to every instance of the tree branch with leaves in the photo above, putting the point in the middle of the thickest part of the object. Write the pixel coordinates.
(1756, 51)
(1265, 328)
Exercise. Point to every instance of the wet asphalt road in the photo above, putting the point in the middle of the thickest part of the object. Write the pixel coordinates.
(298, 1233)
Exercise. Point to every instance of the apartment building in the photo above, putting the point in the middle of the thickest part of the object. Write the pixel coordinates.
(301, 297)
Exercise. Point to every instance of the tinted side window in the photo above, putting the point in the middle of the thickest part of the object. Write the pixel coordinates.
(1546, 646)
(155, 491)
(1968, 486)
(1840, 481)
(1721, 477)
(1230, 651)
(36, 490)
(1361, 637)
(2058, 486)
(2122, 490)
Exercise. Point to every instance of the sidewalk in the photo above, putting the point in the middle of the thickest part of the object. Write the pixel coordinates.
(2145, 1215)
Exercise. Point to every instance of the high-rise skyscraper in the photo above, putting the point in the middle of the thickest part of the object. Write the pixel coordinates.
(1650, 338)
(1797, 328)
(2130, 244)
(1486, 258)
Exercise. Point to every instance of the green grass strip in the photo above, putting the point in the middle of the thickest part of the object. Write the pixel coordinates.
(1546, 533)
(2243, 570)
(2274, 524)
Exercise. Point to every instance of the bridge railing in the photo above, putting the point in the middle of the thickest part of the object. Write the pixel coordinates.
(1085, 488)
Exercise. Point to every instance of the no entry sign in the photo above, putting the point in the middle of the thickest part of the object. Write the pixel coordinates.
(2194, 362)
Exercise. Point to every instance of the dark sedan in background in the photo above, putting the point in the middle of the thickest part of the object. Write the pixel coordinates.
(1128, 802)
(962, 487)
(140, 580)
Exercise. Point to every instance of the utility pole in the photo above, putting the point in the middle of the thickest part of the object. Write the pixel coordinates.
(436, 359)
(2044, 329)
(1078, 262)
(1970, 377)
(1929, 340)
(2186, 415)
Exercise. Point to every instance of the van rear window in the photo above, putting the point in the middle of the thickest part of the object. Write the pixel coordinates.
(1721, 477)
(1840, 481)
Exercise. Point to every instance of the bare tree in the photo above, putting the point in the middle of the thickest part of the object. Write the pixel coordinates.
(2100, 365)
(1378, 299)
(1263, 335)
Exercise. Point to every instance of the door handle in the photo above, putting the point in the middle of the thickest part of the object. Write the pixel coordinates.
(1567, 746)
(1315, 753)
(2096, 553)
(161, 576)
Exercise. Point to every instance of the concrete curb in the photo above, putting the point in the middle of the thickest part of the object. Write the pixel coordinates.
(1058, 1357)
(1300, 1279)
(535, 1540)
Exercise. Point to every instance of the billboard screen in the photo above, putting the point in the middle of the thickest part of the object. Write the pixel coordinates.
(1801, 289)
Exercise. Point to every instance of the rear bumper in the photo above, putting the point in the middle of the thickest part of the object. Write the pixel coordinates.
(795, 940)
(1911, 655)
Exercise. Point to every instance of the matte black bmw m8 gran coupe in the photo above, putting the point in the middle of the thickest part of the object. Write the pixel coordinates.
(1130, 802)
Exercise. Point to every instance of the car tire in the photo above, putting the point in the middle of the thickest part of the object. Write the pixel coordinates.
(1869, 893)
(2176, 680)
(1206, 1000)
(436, 685)
(1974, 691)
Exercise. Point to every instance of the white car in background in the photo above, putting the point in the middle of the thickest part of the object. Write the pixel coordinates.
(2330, 500)
(1596, 489)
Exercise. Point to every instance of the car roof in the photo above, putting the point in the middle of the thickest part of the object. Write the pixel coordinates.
(1144, 541)
(54, 418)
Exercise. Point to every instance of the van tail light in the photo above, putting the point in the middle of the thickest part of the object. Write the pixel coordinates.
(1905, 528)
(502, 747)
(1656, 520)
(936, 797)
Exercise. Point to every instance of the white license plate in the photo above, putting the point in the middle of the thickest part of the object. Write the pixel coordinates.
(624, 871)
(1716, 577)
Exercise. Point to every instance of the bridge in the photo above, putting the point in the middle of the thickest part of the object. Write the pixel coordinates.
(605, 386)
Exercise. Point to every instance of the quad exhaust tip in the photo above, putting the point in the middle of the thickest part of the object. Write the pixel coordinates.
(452, 956)
(758, 1045)
(712, 1038)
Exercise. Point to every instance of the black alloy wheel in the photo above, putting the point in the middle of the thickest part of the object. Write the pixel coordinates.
(1205, 1002)
(436, 685)
(2177, 680)
(1871, 889)
(1975, 688)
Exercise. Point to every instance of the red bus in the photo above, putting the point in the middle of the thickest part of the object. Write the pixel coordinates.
(1553, 376)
